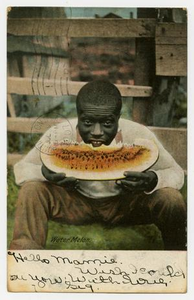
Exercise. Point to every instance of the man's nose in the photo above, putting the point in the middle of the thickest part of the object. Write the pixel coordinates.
(97, 130)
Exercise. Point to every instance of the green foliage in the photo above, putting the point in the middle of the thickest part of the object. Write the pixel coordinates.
(180, 110)
(10, 226)
(21, 142)
(12, 193)
(67, 109)
(98, 237)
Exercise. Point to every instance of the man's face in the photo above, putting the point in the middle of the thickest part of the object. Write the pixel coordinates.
(97, 125)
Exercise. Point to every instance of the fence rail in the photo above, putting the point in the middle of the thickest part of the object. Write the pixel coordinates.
(108, 28)
(57, 87)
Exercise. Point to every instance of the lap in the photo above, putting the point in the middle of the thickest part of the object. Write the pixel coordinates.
(73, 208)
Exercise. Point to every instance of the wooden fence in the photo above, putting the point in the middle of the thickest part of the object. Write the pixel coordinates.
(169, 56)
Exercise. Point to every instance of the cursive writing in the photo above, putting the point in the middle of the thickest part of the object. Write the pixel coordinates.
(60, 273)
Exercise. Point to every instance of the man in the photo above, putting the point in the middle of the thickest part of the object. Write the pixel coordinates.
(140, 198)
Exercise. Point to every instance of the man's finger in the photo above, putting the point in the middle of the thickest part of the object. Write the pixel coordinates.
(46, 170)
(68, 181)
(52, 176)
(137, 175)
(131, 184)
(58, 176)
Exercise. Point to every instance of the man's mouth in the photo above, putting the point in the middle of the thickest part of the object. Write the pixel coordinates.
(96, 143)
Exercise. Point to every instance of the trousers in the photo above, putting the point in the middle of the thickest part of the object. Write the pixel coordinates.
(39, 202)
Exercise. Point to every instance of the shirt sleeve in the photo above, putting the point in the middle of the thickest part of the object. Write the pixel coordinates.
(169, 173)
(29, 168)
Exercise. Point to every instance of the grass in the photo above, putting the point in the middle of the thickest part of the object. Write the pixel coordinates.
(95, 237)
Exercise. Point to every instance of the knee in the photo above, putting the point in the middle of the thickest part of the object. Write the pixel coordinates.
(169, 193)
(31, 189)
(170, 197)
(33, 186)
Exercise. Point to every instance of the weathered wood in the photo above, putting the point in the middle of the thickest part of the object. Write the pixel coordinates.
(171, 60)
(82, 27)
(40, 69)
(178, 30)
(94, 27)
(173, 139)
(11, 106)
(168, 65)
(144, 67)
(31, 125)
(15, 102)
(171, 49)
(28, 66)
(52, 87)
(52, 45)
(144, 70)
(163, 101)
(166, 40)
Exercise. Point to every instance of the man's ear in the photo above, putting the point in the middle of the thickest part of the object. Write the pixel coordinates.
(78, 136)
(119, 116)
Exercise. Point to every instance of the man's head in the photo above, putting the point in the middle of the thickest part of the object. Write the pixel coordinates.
(98, 108)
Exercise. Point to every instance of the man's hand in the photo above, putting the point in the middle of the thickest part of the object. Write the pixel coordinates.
(70, 183)
(138, 181)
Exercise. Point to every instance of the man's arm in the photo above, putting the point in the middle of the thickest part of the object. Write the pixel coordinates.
(167, 172)
(29, 168)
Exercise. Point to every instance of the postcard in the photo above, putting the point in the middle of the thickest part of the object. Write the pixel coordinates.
(97, 149)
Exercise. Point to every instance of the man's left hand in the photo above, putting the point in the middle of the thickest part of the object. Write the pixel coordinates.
(138, 181)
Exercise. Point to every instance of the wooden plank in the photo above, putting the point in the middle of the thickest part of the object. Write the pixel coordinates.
(57, 87)
(82, 27)
(31, 125)
(40, 69)
(11, 106)
(173, 139)
(171, 60)
(178, 30)
(20, 86)
(144, 70)
(164, 98)
(168, 35)
(166, 40)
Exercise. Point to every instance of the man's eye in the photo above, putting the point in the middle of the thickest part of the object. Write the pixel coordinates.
(107, 123)
(87, 122)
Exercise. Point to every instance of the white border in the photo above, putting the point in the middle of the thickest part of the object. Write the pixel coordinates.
(189, 4)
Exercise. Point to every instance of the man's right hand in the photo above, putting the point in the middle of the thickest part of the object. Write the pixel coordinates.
(70, 183)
